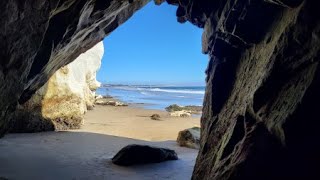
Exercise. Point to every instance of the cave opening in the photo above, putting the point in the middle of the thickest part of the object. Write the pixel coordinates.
(158, 56)
(153, 63)
(150, 62)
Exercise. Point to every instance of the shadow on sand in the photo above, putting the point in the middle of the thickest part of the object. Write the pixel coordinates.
(83, 155)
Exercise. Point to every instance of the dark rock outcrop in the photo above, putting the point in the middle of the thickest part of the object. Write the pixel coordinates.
(259, 116)
(142, 154)
(39, 37)
(189, 138)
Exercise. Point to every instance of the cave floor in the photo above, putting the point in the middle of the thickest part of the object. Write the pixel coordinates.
(84, 155)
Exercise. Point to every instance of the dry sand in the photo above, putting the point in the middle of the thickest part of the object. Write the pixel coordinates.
(134, 122)
(85, 153)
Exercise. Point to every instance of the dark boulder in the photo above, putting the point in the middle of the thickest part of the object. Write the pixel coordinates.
(142, 154)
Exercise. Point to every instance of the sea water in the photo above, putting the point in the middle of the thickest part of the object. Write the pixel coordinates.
(155, 97)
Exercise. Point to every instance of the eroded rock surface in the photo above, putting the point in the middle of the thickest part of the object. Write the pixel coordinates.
(39, 37)
(259, 114)
(65, 98)
(108, 102)
(189, 138)
(141, 154)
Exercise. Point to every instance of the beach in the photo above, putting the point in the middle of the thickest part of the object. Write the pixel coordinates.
(85, 153)
(134, 122)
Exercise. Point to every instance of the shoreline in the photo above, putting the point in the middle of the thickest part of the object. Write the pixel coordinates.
(155, 96)
(148, 106)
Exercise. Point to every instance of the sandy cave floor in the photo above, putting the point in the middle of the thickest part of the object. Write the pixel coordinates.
(87, 153)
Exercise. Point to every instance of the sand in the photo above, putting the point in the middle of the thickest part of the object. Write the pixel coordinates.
(134, 122)
(86, 153)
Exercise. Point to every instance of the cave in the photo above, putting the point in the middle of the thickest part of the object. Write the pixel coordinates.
(262, 81)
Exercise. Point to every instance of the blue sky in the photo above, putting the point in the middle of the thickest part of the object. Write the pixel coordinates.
(153, 48)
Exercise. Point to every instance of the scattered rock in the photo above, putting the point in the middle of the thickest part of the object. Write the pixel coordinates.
(117, 103)
(190, 108)
(184, 115)
(98, 97)
(155, 117)
(180, 114)
(103, 97)
(143, 154)
(189, 138)
(107, 102)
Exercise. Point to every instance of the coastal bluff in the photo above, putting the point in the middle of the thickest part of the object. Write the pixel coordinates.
(61, 103)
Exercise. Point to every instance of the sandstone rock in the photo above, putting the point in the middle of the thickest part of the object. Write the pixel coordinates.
(180, 114)
(142, 154)
(102, 101)
(65, 98)
(108, 102)
(155, 117)
(189, 138)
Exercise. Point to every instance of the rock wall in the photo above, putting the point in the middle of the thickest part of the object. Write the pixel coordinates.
(61, 103)
(259, 117)
(39, 37)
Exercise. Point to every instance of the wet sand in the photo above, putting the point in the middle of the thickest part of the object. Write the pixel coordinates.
(86, 153)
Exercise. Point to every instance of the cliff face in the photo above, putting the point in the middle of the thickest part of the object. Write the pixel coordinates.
(259, 118)
(63, 100)
(39, 37)
(263, 80)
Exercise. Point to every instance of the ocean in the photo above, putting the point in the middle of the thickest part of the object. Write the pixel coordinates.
(155, 97)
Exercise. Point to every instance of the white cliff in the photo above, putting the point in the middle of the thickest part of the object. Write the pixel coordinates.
(67, 95)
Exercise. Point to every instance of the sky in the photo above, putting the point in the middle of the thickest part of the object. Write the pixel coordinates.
(153, 48)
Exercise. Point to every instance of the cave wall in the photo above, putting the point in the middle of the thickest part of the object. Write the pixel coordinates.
(260, 108)
(39, 37)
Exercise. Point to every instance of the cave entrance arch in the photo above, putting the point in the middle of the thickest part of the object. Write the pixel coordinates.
(245, 59)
